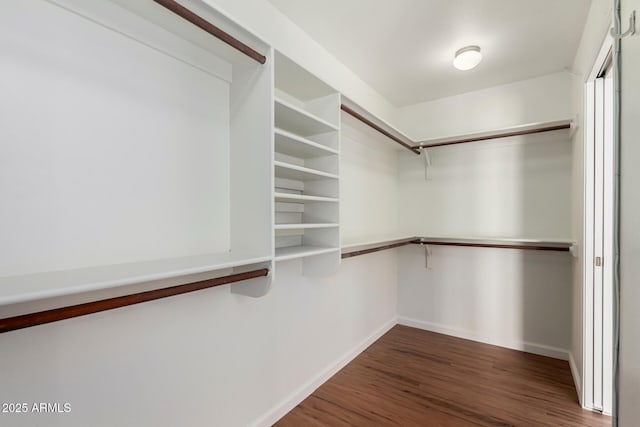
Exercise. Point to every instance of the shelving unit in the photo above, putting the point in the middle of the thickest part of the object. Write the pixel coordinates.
(306, 169)
(300, 173)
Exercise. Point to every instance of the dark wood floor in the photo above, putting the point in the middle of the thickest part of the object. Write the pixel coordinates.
(411, 377)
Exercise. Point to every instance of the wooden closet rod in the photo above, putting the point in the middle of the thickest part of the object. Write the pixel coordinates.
(207, 26)
(48, 316)
(524, 246)
(496, 135)
(378, 128)
(376, 249)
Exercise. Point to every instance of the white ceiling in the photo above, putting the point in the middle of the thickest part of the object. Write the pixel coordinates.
(404, 48)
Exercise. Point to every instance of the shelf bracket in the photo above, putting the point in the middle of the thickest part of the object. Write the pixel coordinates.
(427, 162)
(427, 256)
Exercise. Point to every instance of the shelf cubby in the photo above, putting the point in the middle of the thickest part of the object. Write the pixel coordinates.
(293, 145)
(299, 121)
(306, 169)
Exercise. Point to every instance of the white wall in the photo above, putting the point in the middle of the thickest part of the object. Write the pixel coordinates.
(630, 226)
(368, 184)
(515, 187)
(512, 188)
(207, 358)
(577, 230)
(512, 298)
(44, 226)
(596, 27)
(545, 98)
(509, 187)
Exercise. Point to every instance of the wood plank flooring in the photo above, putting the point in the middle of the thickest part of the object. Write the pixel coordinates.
(411, 377)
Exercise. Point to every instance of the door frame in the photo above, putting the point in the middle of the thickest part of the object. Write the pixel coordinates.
(597, 378)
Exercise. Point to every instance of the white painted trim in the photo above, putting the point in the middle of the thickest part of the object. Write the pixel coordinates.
(577, 380)
(540, 349)
(590, 383)
(291, 401)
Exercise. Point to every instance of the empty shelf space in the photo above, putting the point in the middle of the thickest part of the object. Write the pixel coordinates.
(299, 198)
(299, 173)
(303, 226)
(300, 122)
(292, 252)
(293, 145)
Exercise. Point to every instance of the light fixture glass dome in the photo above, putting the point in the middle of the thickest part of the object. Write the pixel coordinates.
(467, 58)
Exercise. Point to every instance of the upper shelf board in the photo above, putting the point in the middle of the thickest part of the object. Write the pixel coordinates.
(301, 198)
(299, 173)
(293, 145)
(298, 121)
(535, 244)
(528, 129)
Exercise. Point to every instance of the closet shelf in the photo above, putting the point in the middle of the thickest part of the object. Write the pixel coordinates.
(500, 243)
(13, 323)
(38, 286)
(384, 128)
(293, 145)
(297, 120)
(375, 245)
(527, 129)
(299, 198)
(357, 249)
(292, 252)
(303, 226)
(299, 173)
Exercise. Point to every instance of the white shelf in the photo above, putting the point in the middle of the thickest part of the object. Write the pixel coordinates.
(375, 241)
(31, 287)
(299, 173)
(293, 145)
(501, 133)
(292, 252)
(302, 226)
(297, 120)
(299, 198)
(515, 242)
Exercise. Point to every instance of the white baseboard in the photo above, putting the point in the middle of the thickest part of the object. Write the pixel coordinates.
(577, 379)
(290, 402)
(543, 350)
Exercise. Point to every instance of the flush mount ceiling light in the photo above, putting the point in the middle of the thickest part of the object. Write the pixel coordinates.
(467, 58)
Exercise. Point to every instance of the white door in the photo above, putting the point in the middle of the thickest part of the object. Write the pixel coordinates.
(599, 253)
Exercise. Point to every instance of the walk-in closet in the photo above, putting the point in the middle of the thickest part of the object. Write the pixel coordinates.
(304, 213)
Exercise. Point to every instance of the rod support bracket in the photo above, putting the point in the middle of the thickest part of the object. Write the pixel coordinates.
(427, 256)
(427, 162)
